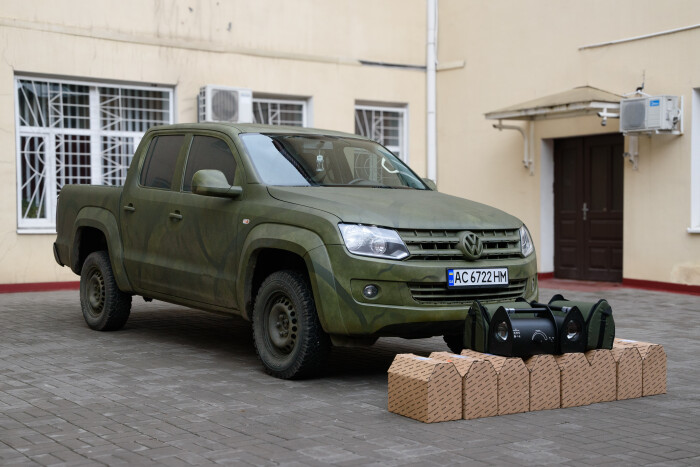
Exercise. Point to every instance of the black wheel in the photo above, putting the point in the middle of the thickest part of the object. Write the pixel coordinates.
(455, 342)
(105, 307)
(288, 336)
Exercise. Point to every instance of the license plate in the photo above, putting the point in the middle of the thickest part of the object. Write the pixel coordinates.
(477, 277)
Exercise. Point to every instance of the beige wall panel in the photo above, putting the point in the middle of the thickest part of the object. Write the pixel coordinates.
(333, 87)
(358, 29)
(518, 51)
(657, 196)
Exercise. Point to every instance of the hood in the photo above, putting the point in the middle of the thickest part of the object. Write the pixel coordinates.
(404, 209)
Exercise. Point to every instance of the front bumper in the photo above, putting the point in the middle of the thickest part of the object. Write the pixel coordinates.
(56, 255)
(413, 299)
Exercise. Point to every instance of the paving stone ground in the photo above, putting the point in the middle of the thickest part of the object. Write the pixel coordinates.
(183, 387)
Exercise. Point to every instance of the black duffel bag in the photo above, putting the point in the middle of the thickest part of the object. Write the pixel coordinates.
(476, 326)
(600, 324)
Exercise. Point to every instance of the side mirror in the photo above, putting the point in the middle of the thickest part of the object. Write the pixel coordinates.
(431, 184)
(214, 183)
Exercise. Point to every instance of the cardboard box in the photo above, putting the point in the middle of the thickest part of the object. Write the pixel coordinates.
(545, 382)
(575, 379)
(425, 389)
(653, 366)
(479, 384)
(628, 364)
(602, 386)
(513, 381)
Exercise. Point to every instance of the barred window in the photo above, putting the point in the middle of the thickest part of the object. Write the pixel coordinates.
(77, 132)
(385, 125)
(279, 111)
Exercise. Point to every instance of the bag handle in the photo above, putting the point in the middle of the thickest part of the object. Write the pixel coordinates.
(565, 309)
(558, 298)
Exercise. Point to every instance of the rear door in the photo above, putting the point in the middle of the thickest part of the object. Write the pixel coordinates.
(147, 218)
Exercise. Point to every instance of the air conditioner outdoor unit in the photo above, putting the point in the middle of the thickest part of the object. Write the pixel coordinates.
(652, 114)
(225, 104)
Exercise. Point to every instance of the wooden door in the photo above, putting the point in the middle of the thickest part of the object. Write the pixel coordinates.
(588, 208)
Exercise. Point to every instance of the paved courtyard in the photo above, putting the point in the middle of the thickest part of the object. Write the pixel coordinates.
(182, 387)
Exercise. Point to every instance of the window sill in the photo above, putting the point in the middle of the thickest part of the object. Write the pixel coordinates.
(694, 230)
(36, 231)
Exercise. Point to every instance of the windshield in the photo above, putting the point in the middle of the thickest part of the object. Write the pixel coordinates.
(319, 160)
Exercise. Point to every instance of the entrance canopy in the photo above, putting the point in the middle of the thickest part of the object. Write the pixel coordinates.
(580, 101)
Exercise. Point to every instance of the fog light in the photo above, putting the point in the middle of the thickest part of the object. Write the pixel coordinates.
(370, 291)
(523, 332)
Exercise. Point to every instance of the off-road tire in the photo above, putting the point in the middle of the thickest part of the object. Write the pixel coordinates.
(105, 307)
(455, 342)
(288, 336)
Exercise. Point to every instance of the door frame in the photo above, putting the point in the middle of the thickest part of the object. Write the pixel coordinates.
(545, 253)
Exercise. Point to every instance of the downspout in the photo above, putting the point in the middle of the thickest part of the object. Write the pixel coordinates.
(431, 91)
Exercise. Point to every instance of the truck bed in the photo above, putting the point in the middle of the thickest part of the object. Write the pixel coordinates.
(73, 200)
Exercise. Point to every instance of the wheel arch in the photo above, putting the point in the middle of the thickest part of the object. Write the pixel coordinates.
(273, 247)
(96, 229)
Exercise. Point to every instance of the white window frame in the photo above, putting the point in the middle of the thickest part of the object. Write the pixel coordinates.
(695, 166)
(304, 103)
(403, 139)
(48, 225)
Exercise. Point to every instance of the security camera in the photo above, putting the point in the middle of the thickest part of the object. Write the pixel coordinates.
(605, 114)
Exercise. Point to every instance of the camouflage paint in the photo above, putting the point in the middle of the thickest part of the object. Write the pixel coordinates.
(198, 250)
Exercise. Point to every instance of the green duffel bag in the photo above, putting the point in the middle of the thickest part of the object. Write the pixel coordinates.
(476, 325)
(600, 324)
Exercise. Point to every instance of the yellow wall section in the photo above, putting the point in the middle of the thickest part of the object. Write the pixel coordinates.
(519, 51)
(302, 48)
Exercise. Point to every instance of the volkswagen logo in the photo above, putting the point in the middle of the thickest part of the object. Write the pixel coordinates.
(470, 244)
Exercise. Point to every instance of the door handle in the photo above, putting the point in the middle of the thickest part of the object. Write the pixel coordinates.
(176, 216)
(129, 208)
(585, 211)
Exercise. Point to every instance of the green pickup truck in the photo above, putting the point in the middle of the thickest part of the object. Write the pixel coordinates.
(319, 238)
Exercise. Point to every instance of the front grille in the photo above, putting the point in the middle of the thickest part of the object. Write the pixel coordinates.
(438, 293)
(441, 245)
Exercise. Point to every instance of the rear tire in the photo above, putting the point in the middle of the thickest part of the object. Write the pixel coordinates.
(287, 334)
(105, 307)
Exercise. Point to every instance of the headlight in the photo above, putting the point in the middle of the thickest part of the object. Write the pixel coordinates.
(526, 245)
(373, 241)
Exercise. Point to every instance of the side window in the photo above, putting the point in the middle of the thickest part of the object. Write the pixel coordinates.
(159, 168)
(207, 152)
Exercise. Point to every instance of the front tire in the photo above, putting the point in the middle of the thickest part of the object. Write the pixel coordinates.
(455, 342)
(287, 334)
(105, 307)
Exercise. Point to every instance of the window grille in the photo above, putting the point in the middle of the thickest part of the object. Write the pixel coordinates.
(279, 112)
(385, 125)
(72, 132)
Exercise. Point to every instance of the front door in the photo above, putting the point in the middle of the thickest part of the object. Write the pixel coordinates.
(588, 208)
(205, 236)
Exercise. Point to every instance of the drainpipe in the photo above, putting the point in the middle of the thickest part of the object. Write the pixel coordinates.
(431, 62)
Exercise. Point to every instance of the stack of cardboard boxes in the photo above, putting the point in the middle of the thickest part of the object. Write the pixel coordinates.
(473, 385)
